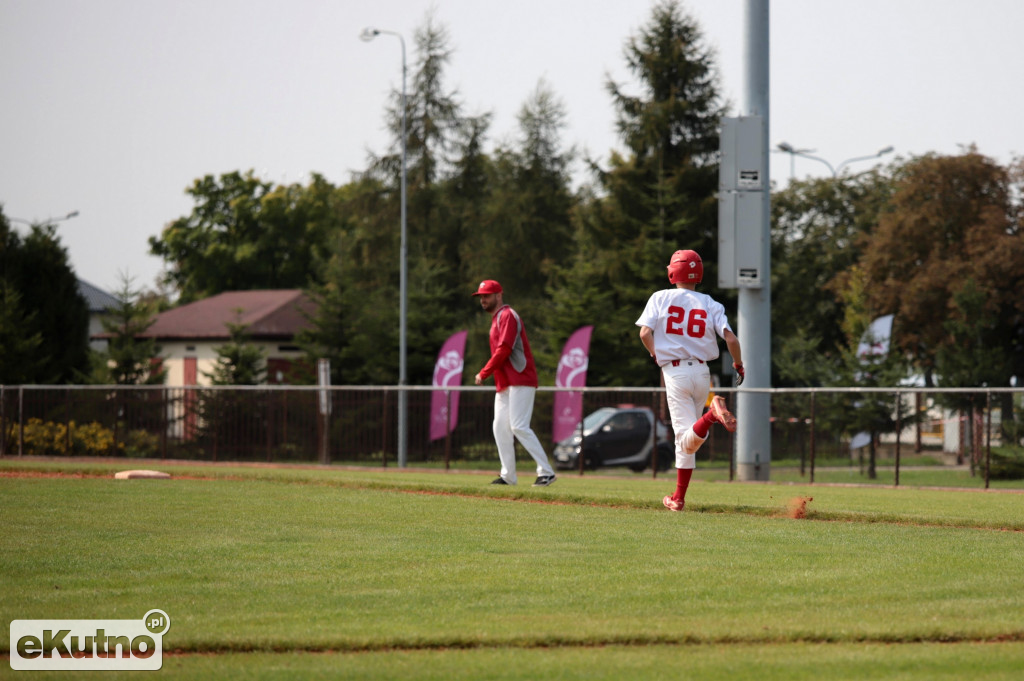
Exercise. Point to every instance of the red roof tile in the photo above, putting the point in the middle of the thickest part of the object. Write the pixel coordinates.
(266, 314)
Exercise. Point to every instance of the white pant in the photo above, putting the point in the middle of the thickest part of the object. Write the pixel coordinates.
(513, 409)
(686, 387)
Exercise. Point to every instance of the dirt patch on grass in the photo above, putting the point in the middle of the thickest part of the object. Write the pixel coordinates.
(798, 507)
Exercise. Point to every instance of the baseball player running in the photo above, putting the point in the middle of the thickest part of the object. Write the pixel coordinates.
(679, 328)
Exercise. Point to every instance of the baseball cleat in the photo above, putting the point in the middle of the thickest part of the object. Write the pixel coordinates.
(671, 504)
(722, 413)
(544, 480)
(499, 481)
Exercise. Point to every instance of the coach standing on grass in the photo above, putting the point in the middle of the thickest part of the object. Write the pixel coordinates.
(515, 378)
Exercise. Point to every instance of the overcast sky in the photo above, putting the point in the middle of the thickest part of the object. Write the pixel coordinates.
(113, 107)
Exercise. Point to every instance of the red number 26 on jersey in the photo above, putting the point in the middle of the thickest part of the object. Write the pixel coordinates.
(681, 326)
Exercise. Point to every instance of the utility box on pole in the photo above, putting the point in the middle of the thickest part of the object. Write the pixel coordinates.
(742, 252)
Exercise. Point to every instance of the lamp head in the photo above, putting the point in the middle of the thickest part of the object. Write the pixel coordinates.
(368, 34)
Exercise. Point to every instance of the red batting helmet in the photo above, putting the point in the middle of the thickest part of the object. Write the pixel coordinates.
(685, 267)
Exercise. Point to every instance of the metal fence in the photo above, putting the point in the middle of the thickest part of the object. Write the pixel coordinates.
(358, 424)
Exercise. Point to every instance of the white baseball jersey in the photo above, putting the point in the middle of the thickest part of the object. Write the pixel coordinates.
(685, 325)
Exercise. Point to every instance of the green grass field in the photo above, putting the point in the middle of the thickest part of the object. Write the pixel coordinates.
(287, 573)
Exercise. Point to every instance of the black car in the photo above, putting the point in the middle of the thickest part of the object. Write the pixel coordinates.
(618, 436)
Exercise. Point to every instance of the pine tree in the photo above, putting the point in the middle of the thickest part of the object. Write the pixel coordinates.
(657, 197)
(239, 361)
(130, 359)
(47, 307)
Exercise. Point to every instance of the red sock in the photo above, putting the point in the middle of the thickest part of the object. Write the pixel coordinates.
(703, 424)
(683, 476)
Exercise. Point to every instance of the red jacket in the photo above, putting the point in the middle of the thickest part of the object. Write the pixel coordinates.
(511, 361)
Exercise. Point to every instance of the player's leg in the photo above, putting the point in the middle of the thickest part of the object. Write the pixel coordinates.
(521, 408)
(685, 391)
(686, 388)
(697, 433)
(503, 437)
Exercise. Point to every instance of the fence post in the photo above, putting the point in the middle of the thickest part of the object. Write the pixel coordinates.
(583, 411)
(988, 435)
(67, 420)
(899, 427)
(270, 423)
(447, 429)
(117, 414)
(654, 453)
(21, 419)
(384, 432)
(164, 421)
(813, 424)
(918, 447)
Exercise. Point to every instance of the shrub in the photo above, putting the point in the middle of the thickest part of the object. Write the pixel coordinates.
(141, 444)
(42, 438)
(91, 439)
(1007, 463)
(47, 438)
(480, 451)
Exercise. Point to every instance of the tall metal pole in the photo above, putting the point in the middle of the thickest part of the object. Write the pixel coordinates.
(753, 432)
(403, 284)
(403, 275)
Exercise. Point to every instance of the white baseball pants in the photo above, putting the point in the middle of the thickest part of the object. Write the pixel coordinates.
(686, 388)
(513, 410)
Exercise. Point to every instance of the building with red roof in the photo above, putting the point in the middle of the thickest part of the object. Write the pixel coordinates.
(189, 335)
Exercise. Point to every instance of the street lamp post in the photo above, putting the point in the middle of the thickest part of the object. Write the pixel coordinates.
(47, 221)
(793, 153)
(367, 35)
(790, 149)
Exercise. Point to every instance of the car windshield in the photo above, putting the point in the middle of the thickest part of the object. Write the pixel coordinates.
(596, 418)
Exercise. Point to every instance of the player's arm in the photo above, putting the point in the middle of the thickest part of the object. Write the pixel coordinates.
(499, 356)
(733, 343)
(506, 339)
(647, 338)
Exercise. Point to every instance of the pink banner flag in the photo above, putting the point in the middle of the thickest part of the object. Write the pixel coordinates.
(572, 373)
(447, 371)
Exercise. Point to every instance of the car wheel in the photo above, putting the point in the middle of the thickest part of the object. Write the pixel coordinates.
(666, 458)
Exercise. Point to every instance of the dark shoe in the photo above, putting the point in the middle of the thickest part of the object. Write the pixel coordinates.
(499, 481)
(544, 480)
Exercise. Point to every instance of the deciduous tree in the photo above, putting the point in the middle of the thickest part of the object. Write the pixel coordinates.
(245, 233)
(819, 230)
(952, 223)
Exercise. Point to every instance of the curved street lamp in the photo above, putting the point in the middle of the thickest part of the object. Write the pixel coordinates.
(33, 223)
(367, 35)
(47, 221)
(790, 149)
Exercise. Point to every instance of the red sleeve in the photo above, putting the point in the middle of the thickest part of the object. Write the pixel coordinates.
(497, 359)
(507, 329)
